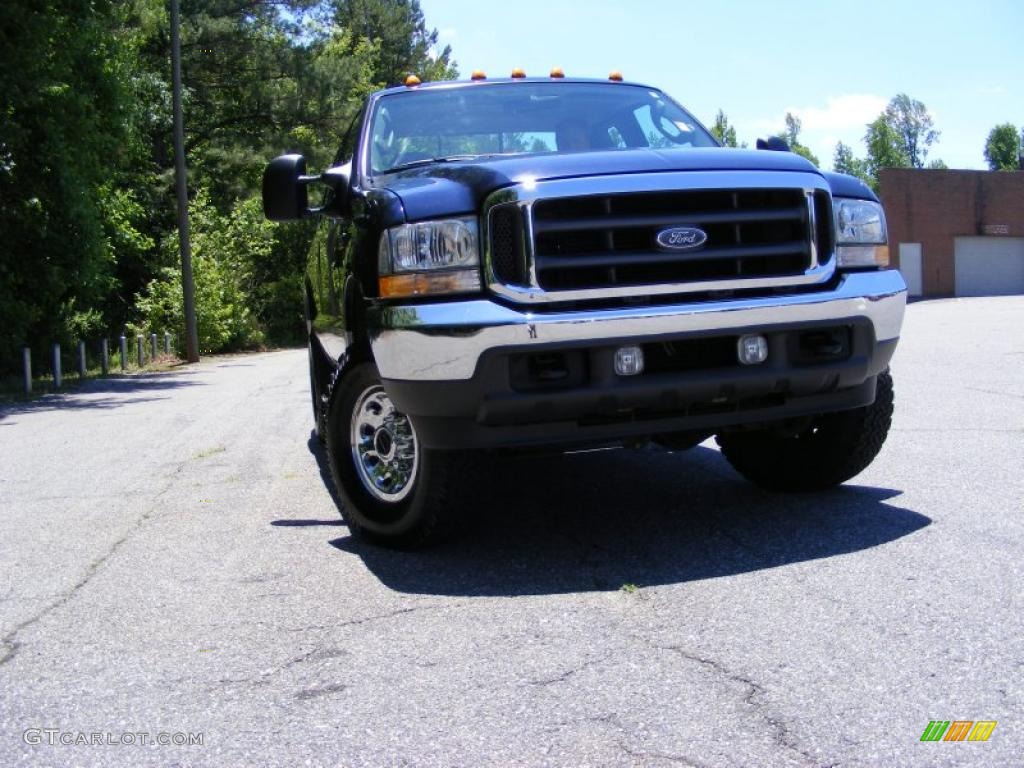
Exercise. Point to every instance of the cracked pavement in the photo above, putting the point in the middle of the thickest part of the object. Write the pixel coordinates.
(171, 560)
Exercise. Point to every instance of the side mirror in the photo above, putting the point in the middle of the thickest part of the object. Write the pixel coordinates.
(776, 143)
(285, 197)
(338, 179)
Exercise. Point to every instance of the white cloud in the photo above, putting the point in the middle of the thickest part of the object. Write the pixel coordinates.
(841, 118)
(841, 113)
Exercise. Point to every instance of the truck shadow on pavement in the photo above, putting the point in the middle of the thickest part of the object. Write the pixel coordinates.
(602, 521)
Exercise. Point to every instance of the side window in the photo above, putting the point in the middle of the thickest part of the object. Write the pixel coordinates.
(348, 144)
(386, 145)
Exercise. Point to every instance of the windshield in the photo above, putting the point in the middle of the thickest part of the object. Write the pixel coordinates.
(424, 125)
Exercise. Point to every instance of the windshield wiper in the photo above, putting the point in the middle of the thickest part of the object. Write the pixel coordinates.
(429, 161)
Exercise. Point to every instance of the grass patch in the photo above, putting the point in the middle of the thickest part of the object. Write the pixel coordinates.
(629, 589)
(207, 453)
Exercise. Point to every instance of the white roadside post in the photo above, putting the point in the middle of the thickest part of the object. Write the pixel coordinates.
(26, 360)
(81, 360)
(124, 352)
(152, 346)
(104, 357)
(141, 344)
(56, 366)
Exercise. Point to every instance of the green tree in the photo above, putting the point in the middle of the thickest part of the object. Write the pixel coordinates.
(1003, 148)
(843, 161)
(792, 137)
(723, 130)
(221, 246)
(87, 211)
(404, 43)
(63, 108)
(908, 135)
(885, 150)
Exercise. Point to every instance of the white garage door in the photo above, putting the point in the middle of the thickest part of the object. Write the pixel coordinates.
(910, 267)
(989, 266)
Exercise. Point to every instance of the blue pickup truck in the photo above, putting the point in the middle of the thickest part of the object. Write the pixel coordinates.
(557, 263)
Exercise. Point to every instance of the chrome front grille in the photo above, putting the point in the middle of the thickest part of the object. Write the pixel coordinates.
(546, 246)
(590, 242)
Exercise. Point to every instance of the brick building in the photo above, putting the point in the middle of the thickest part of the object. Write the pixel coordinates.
(956, 233)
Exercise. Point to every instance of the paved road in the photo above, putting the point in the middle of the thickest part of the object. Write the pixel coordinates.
(172, 562)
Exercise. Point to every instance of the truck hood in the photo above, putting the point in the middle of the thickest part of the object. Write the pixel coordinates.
(459, 187)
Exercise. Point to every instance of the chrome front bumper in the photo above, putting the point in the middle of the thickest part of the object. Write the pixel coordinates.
(445, 341)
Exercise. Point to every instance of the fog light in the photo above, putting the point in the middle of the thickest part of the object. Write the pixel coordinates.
(629, 361)
(752, 349)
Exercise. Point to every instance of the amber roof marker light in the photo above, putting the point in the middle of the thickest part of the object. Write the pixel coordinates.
(412, 81)
(557, 72)
(615, 76)
(478, 74)
(518, 73)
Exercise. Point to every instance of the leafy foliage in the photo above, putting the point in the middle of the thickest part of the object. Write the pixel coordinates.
(792, 137)
(402, 43)
(220, 245)
(843, 161)
(62, 105)
(1003, 147)
(87, 212)
(901, 136)
(723, 131)
(913, 126)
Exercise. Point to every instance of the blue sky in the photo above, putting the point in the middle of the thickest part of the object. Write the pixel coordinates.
(833, 64)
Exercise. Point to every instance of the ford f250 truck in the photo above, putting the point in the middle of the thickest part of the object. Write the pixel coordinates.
(559, 263)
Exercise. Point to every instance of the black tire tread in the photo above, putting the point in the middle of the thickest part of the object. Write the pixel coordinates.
(437, 505)
(848, 442)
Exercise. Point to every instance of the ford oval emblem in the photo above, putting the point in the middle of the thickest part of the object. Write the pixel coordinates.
(681, 238)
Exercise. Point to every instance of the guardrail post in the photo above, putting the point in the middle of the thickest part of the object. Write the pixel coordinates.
(167, 343)
(81, 359)
(152, 346)
(140, 343)
(26, 359)
(124, 352)
(56, 366)
(104, 357)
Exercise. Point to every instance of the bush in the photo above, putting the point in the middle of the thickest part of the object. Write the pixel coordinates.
(220, 248)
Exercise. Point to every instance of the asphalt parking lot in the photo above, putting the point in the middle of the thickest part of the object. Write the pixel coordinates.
(172, 562)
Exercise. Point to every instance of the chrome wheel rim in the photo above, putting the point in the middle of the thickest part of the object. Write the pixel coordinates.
(384, 446)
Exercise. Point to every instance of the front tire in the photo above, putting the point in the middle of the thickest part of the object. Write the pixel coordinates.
(830, 450)
(393, 491)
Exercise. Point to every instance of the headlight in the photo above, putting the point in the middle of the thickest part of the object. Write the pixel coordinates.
(860, 233)
(430, 257)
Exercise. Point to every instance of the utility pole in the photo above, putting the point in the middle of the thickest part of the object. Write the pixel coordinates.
(187, 285)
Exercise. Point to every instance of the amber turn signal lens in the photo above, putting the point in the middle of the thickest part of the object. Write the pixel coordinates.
(478, 74)
(518, 72)
(557, 72)
(411, 80)
(862, 256)
(427, 284)
(616, 76)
